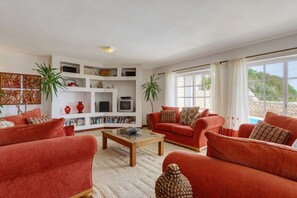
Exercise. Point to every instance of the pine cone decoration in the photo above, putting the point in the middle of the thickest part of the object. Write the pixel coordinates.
(172, 183)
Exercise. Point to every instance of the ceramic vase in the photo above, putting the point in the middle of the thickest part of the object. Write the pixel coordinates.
(80, 107)
(67, 109)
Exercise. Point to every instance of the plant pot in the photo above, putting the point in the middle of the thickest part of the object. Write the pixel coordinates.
(148, 121)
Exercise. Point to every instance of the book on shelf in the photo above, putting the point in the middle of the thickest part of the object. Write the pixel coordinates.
(107, 119)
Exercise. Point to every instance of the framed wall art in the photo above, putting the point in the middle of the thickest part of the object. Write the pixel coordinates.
(19, 89)
(9, 80)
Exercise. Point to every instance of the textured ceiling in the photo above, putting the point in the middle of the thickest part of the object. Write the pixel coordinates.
(148, 32)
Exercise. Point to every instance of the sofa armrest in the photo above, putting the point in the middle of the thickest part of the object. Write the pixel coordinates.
(209, 122)
(32, 157)
(245, 130)
(155, 118)
(229, 179)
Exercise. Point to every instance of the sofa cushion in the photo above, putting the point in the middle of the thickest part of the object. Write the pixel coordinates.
(21, 119)
(165, 126)
(183, 130)
(17, 119)
(27, 133)
(38, 120)
(173, 108)
(187, 115)
(269, 133)
(283, 122)
(168, 116)
(4, 124)
(269, 157)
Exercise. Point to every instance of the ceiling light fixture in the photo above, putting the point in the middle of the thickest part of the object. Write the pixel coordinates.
(107, 49)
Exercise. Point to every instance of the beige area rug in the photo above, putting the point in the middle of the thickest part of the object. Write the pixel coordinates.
(114, 178)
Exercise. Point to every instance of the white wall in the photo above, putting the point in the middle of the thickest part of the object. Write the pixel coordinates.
(24, 64)
(263, 47)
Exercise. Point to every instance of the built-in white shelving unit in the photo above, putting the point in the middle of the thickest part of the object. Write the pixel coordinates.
(92, 84)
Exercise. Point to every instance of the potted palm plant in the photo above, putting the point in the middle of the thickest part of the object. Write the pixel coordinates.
(51, 80)
(151, 90)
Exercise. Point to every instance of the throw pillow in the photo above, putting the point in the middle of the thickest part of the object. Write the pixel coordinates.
(204, 113)
(173, 108)
(269, 133)
(5, 124)
(39, 120)
(197, 116)
(168, 116)
(269, 157)
(21, 119)
(187, 115)
(27, 133)
(284, 122)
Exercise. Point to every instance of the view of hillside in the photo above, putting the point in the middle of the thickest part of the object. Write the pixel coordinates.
(274, 87)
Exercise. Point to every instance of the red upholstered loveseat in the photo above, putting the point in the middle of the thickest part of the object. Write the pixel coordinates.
(242, 167)
(45, 160)
(185, 135)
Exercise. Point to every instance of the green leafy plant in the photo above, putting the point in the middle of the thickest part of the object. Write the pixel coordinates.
(151, 90)
(206, 82)
(51, 80)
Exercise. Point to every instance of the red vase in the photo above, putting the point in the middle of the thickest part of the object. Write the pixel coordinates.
(67, 109)
(80, 107)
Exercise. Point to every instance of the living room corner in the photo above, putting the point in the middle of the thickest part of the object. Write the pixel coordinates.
(148, 99)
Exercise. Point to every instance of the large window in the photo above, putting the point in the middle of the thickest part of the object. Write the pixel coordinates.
(194, 89)
(273, 87)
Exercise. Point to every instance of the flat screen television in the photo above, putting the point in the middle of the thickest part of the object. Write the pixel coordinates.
(125, 105)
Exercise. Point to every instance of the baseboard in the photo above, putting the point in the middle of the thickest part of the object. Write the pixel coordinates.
(186, 146)
(84, 194)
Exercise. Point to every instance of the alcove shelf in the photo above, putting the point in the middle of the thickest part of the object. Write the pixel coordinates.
(100, 88)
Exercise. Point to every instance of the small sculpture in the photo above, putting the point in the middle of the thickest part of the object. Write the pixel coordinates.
(172, 183)
(99, 84)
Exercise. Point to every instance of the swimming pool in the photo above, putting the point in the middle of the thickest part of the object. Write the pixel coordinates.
(255, 120)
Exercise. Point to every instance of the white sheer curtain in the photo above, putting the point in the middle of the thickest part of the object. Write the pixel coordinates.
(216, 85)
(169, 89)
(237, 104)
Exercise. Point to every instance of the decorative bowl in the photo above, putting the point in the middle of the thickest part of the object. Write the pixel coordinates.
(132, 131)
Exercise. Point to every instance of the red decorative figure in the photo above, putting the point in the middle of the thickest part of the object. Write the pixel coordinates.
(67, 109)
(80, 107)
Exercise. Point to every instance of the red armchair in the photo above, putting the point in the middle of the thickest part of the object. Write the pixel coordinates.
(57, 167)
(45, 160)
(281, 121)
(185, 135)
(239, 167)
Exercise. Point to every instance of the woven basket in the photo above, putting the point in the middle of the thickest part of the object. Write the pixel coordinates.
(173, 183)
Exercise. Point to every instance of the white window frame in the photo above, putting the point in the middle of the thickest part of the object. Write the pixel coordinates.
(286, 78)
(193, 74)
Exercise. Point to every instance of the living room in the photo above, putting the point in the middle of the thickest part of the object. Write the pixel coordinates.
(235, 61)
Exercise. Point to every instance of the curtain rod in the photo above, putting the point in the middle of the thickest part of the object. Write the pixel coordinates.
(251, 56)
(190, 67)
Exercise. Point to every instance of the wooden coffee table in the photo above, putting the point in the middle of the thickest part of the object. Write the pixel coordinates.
(141, 138)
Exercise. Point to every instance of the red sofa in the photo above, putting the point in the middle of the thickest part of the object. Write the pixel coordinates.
(185, 135)
(242, 167)
(45, 160)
